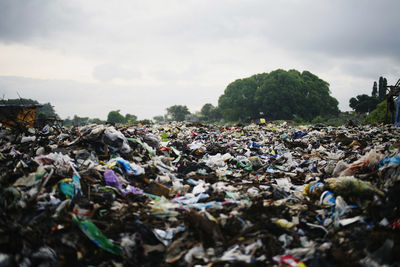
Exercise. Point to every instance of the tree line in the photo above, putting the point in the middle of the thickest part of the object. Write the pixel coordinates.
(278, 95)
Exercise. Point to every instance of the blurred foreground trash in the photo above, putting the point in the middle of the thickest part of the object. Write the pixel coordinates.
(200, 195)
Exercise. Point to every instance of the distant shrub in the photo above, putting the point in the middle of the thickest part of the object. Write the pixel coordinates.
(377, 115)
(318, 119)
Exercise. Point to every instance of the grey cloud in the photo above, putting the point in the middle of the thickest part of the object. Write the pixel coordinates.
(108, 72)
(336, 28)
(371, 69)
(212, 21)
(166, 75)
(23, 20)
(341, 28)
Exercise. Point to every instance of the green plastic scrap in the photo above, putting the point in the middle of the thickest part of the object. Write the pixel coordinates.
(107, 189)
(94, 234)
(176, 153)
(144, 145)
(40, 175)
(246, 166)
(232, 195)
(102, 211)
(164, 137)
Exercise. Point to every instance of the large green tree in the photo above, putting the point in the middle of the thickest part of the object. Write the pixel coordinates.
(178, 112)
(238, 100)
(278, 95)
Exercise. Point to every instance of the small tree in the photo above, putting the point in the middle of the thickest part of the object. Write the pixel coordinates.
(48, 110)
(210, 113)
(96, 120)
(159, 118)
(377, 115)
(374, 90)
(130, 119)
(178, 112)
(382, 88)
(115, 117)
(206, 110)
(363, 103)
(79, 121)
(145, 122)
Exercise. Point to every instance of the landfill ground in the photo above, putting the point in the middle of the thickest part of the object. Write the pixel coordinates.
(200, 195)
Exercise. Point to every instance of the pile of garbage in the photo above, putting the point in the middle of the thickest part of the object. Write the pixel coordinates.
(200, 195)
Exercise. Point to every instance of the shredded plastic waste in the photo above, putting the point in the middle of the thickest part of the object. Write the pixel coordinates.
(191, 194)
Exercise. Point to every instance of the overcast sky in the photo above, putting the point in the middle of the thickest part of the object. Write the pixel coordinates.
(90, 57)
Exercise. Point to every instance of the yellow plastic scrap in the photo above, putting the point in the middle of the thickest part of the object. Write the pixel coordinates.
(65, 180)
(210, 217)
(306, 189)
(351, 186)
(284, 223)
(111, 164)
(236, 134)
